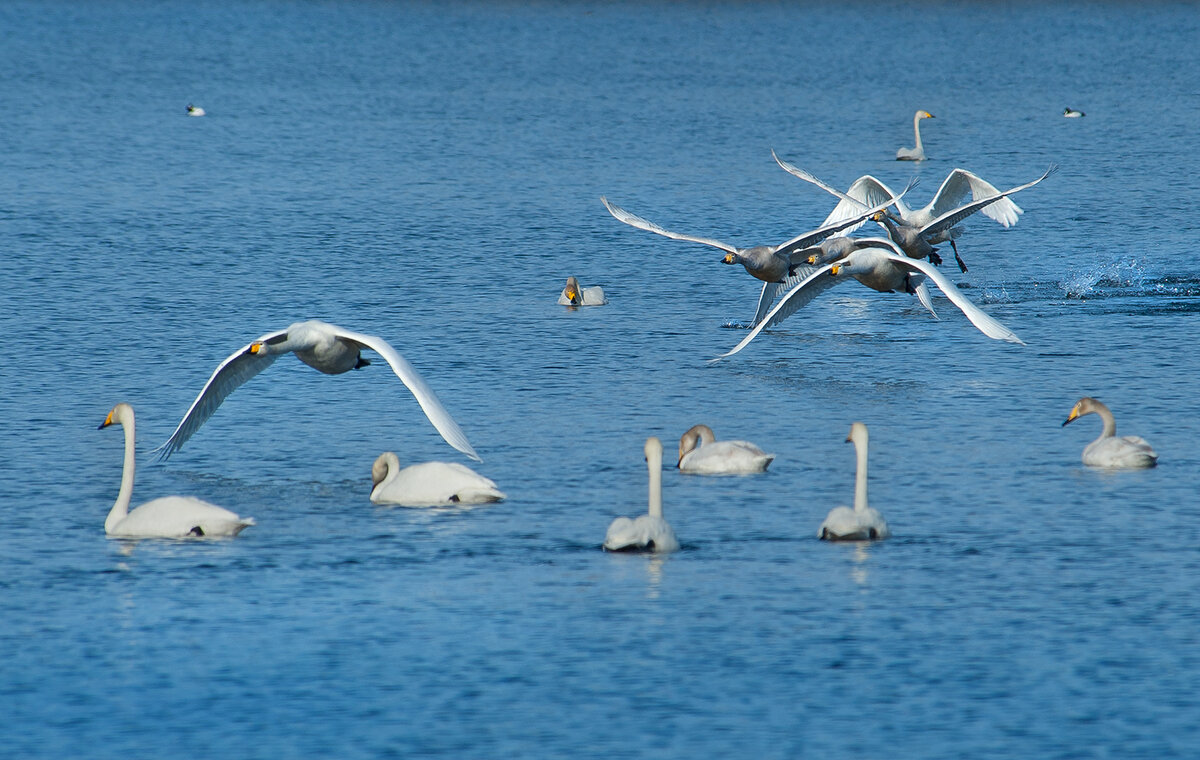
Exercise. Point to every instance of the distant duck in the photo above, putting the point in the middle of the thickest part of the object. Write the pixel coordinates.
(649, 532)
(573, 295)
(861, 523)
(1126, 452)
(917, 153)
(168, 516)
(194, 110)
(429, 484)
(701, 453)
(1071, 113)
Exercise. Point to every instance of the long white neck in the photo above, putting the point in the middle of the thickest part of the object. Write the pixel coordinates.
(120, 510)
(385, 470)
(654, 465)
(917, 129)
(860, 478)
(1110, 423)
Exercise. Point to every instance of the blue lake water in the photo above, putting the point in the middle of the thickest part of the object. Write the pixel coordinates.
(431, 173)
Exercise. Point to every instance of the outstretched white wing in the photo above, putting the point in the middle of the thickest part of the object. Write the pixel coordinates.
(817, 282)
(953, 217)
(865, 192)
(633, 220)
(961, 184)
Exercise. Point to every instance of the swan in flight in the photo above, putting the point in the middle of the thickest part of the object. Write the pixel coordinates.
(917, 153)
(701, 453)
(1126, 452)
(429, 484)
(861, 523)
(780, 267)
(918, 229)
(884, 269)
(649, 532)
(326, 348)
(166, 517)
(573, 295)
(194, 110)
(1071, 113)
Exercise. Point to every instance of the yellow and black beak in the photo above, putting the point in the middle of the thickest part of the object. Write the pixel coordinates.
(107, 421)
(256, 348)
(833, 270)
(1073, 415)
(729, 259)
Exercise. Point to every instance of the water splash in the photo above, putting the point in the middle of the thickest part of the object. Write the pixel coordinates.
(1121, 273)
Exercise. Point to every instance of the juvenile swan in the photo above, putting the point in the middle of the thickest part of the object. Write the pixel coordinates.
(429, 484)
(649, 532)
(700, 452)
(573, 295)
(326, 348)
(166, 517)
(1126, 452)
(917, 153)
(861, 523)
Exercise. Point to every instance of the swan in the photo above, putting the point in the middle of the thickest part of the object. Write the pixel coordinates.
(649, 532)
(701, 453)
(884, 269)
(1126, 452)
(780, 267)
(861, 523)
(194, 110)
(429, 484)
(1071, 113)
(917, 153)
(327, 348)
(573, 295)
(166, 517)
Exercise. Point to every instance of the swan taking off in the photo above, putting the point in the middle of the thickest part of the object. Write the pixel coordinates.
(429, 484)
(573, 295)
(917, 153)
(169, 516)
(861, 523)
(194, 110)
(649, 532)
(326, 348)
(1127, 452)
(701, 453)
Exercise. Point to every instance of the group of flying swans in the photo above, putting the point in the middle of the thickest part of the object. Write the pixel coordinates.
(327, 348)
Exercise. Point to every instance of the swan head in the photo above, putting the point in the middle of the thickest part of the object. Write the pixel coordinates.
(572, 291)
(730, 258)
(693, 438)
(653, 450)
(858, 434)
(379, 468)
(879, 216)
(924, 115)
(1085, 405)
(118, 415)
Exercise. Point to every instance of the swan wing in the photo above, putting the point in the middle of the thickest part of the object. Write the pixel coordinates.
(953, 217)
(864, 192)
(817, 282)
(425, 396)
(794, 249)
(986, 324)
(961, 184)
(633, 220)
(922, 291)
(229, 375)
(766, 298)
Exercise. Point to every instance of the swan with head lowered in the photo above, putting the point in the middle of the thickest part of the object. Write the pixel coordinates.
(429, 484)
(917, 153)
(168, 516)
(648, 532)
(862, 523)
(779, 266)
(1125, 452)
(702, 454)
(326, 348)
(573, 295)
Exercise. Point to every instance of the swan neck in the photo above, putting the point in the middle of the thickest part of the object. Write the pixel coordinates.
(120, 509)
(860, 477)
(654, 464)
(917, 129)
(1110, 422)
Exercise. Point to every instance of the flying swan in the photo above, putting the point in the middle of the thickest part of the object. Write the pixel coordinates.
(917, 153)
(429, 484)
(861, 523)
(573, 295)
(1126, 452)
(649, 532)
(326, 348)
(166, 517)
(702, 454)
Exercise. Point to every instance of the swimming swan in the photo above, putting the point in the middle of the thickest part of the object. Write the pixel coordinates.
(1071, 113)
(429, 484)
(573, 295)
(861, 523)
(917, 153)
(1126, 452)
(324, 347)
(649, 532)
(701, 453)
(194, 110)
(166, 517)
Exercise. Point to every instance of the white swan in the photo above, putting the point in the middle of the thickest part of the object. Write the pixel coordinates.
(861, 523)
(701, 453)
(917, 153)
(649, 532)
(429, 484)
(1071, 113)
(166, 517)
(573, 295)
(194, 110)
(1126, 452)
(324, 347)
(882, 269)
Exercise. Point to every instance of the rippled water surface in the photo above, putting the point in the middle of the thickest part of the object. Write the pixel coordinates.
(431, 174)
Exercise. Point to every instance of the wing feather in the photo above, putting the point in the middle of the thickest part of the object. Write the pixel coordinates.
(951, 218)
(633, 220)
(986, 324)
(817, 282)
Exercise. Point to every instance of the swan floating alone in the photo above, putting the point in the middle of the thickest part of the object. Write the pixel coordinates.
(573, 295)
(861, 523)
(166, 517)
(326, 348)
(649, 532)
(194, 110)
(701, 453)
(1126, 452)
(1071, 113)
(917, 153)
(429, 484)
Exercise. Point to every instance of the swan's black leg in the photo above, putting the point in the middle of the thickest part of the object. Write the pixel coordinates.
(961, 264)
